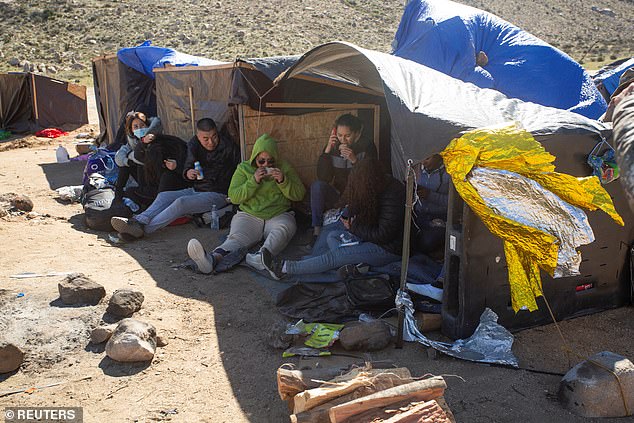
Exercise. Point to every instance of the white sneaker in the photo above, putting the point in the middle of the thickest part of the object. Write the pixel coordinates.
(196, 252)
(254, 260)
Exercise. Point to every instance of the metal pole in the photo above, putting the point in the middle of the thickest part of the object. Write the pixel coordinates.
(409, 193)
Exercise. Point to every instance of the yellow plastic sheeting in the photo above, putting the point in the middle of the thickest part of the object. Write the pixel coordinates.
(527, 249)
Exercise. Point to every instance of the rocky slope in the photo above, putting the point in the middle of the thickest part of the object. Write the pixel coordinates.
(60, 37)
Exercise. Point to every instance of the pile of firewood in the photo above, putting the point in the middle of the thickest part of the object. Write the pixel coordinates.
(362, 395)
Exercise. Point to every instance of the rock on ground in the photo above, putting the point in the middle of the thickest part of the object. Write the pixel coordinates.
(125, 302)
(365, 336)
(590, 390)
(78, 289)
(11, 357)
(102, 333)
(132, 340)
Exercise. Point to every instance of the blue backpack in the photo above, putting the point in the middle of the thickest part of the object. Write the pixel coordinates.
(102, 162)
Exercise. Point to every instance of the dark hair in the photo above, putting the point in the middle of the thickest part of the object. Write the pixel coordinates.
(366, 182)
(153, 163)
(206, 125)
(130, 117)
(351, 121)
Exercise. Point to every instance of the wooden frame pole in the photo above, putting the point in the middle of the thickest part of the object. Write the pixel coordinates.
(409, 199)
(191, 110)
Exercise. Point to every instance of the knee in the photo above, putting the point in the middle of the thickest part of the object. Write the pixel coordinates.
(317, 187)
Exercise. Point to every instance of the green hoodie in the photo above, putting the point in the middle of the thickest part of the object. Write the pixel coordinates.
(268, 198)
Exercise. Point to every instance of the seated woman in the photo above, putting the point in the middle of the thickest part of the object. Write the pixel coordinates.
(430, 212)
(263, 187)
(373, 231)
(164, 160)
(344, 148)
(137, 126)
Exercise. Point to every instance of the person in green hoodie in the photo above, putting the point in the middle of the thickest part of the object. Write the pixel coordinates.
(263, 187)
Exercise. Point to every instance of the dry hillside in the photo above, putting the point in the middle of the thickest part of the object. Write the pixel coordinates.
(62, 36)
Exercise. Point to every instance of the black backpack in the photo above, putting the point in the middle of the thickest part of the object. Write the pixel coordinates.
(100, 205)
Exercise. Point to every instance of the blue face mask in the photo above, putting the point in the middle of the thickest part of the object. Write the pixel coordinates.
(141, 132)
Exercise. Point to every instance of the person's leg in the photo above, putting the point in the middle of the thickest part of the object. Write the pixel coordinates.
(278, 232)
(322, 196)
(321, 244)
(160, 203)
(193, 202)
(246, 230)
(365, 252)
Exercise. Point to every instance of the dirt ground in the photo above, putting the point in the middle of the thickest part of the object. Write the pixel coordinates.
(218, 366)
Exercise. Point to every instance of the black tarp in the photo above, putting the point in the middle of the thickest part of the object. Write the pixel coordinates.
(29, 102)
(16, 104)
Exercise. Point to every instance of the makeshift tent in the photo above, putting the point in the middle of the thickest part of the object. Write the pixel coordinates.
(29, 102)
(126, 82)
(427, 109)
(449, 37)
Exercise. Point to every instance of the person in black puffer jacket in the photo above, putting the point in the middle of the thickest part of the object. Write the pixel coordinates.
(164, 161)
(373, 226)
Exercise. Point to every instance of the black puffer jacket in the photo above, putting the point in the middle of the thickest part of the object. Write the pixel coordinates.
(167, 147)
(388, 231)
(218, 165)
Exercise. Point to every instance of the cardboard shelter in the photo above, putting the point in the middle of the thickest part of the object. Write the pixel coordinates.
(29, 102)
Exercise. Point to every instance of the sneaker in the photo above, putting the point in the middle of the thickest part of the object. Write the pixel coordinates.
(196, 252)
(273, 266)
(254, 260)
(127, 226)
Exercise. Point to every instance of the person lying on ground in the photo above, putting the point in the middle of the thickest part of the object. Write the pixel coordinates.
(430, 211)
(137, 126)
(373, 226)
(263, 187)
(344, 148)
(217, 157)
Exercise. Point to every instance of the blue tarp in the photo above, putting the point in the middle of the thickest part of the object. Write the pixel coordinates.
(610, 78)
(448, 36)
(146, 57)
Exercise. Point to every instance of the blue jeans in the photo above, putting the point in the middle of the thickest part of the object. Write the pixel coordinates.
(170, 205)
(336, 256)
(323, 196)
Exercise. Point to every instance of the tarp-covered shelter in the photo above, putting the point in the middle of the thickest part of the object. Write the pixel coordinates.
(607, 78)
(427, 109)
(126, 82)
(29, 102)
(479, 47)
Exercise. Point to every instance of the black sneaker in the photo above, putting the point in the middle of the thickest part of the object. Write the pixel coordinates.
(273, 266)
(127, 226)
(348, 271)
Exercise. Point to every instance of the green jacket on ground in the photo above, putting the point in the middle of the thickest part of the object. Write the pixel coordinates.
(268, 198)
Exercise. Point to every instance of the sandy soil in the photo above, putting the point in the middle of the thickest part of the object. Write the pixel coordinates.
(217, 366)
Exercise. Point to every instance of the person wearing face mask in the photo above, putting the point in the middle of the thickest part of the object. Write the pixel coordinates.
(263, 187)
(217, 158)
(345, 147)
(137, 126)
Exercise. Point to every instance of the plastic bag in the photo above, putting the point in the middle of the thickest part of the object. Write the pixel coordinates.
(102, 162)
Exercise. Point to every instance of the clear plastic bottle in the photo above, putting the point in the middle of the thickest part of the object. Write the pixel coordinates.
(215, 219)
(62, 154)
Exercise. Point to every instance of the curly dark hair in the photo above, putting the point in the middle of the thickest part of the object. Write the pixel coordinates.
(366, 182)
(134, 115)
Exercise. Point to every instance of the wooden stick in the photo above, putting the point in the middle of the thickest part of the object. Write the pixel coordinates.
(336, 106)
(422, 390)
(191, 108)
(320, 414)
(317, 396)
(409, 192)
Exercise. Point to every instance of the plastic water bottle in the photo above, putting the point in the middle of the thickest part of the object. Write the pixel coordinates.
(215, 219)
(62, 154)
(198, 169)
(134, 207)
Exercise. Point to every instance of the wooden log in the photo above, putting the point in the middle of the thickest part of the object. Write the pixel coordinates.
(313, 397)
(319, 414)
(291, 382)
(422, 390)
(426, 411)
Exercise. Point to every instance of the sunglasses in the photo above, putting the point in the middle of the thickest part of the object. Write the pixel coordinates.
(266, 161)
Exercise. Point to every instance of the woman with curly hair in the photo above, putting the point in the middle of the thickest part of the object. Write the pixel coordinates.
(373, 226)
